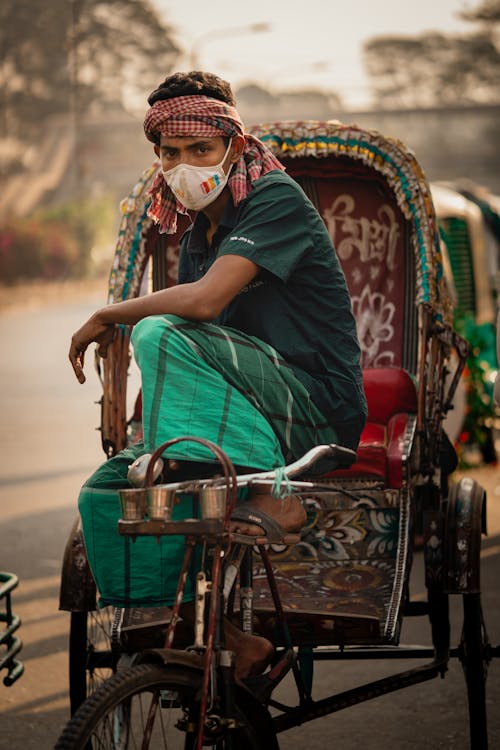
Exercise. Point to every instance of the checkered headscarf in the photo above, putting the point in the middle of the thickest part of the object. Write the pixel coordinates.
(205, 117)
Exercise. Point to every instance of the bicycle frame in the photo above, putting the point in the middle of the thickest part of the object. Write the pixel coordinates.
(215, 533)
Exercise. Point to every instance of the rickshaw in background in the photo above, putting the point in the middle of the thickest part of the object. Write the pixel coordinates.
(343, 589)
(10, 644)
(470, 228)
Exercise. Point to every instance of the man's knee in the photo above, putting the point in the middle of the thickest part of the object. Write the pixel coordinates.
(151, 329)
(152, 332)
(112, 474)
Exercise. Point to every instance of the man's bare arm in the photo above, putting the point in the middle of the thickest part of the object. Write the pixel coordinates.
(202, 300)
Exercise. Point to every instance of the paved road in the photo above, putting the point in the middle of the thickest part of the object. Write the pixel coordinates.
(48, 446)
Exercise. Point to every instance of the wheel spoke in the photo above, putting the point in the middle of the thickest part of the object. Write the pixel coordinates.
(91, 658)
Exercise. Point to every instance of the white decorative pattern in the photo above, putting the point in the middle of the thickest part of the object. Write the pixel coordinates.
(375, 241)
(374, 320)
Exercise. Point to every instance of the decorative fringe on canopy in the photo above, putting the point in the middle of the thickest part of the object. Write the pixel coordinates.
(131, 254)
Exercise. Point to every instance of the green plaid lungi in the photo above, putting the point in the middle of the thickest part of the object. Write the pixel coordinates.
(203, 380)
(218, 383)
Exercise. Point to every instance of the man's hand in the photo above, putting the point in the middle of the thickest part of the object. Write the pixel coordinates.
(201, 300)
(92, 330)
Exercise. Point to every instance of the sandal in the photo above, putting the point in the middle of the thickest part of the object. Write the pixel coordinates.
(273, 532)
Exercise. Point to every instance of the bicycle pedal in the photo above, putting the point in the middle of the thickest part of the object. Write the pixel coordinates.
(262, 685)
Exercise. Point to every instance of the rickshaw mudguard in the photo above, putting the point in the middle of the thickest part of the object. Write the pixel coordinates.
(457, 565)
(78, 591)
(171, 657)
(452, 540)
(464, 522)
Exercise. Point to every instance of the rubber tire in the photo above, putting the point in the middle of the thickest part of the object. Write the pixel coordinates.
(86, 647)
(473, 650)
(97, 712)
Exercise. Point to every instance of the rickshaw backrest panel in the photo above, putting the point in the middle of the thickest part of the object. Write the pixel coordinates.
(370, 236)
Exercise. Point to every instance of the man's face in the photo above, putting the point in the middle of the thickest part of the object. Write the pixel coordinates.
(195, 151)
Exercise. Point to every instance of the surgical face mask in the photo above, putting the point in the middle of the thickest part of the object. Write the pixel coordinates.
(197, 187)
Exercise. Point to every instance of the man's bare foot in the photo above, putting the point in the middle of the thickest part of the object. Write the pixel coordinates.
(289, 513)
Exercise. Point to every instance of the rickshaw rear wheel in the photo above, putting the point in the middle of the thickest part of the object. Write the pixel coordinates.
(91, 660)
(474, 655)
(119, 715)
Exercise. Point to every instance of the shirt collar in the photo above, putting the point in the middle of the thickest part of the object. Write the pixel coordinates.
(197, 232)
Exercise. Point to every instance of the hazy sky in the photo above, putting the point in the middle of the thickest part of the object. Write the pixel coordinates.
(315, 43)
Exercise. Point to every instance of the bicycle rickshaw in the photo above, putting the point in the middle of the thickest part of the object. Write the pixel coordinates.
(342, 590)
(474, 251)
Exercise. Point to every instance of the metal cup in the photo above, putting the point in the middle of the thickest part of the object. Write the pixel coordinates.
(133, 504)
(213, 502)
(160, 502)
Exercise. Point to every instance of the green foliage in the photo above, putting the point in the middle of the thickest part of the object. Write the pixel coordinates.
(478, 377)
(56, 243)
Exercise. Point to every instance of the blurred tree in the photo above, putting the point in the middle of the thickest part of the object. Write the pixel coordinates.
(435, 69)
(488, 10)
(73, 55)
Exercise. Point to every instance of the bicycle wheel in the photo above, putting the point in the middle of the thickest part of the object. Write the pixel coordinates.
(115, 717)
(474, 649)
(90, 657)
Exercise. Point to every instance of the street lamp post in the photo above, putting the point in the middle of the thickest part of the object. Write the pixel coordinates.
(252, 28)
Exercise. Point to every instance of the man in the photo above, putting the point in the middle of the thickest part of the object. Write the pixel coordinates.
(256, 347)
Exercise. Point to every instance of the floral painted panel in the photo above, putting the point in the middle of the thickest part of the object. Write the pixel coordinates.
(367, 230)
(327, 602)
(341, 580)
(361, 588)
(333, 533)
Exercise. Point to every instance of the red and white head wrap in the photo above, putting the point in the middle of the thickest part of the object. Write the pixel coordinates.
(194, 116)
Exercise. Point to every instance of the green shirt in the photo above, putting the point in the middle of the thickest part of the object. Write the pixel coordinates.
(299, 302)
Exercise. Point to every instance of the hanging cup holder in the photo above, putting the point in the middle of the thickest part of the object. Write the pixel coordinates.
(216, 501)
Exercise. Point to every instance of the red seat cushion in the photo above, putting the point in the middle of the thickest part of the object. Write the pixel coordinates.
(389, 391)
(391, 395)
(371, 454)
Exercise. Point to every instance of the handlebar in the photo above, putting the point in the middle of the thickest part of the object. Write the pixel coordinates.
(303, 464)
(345, 457)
